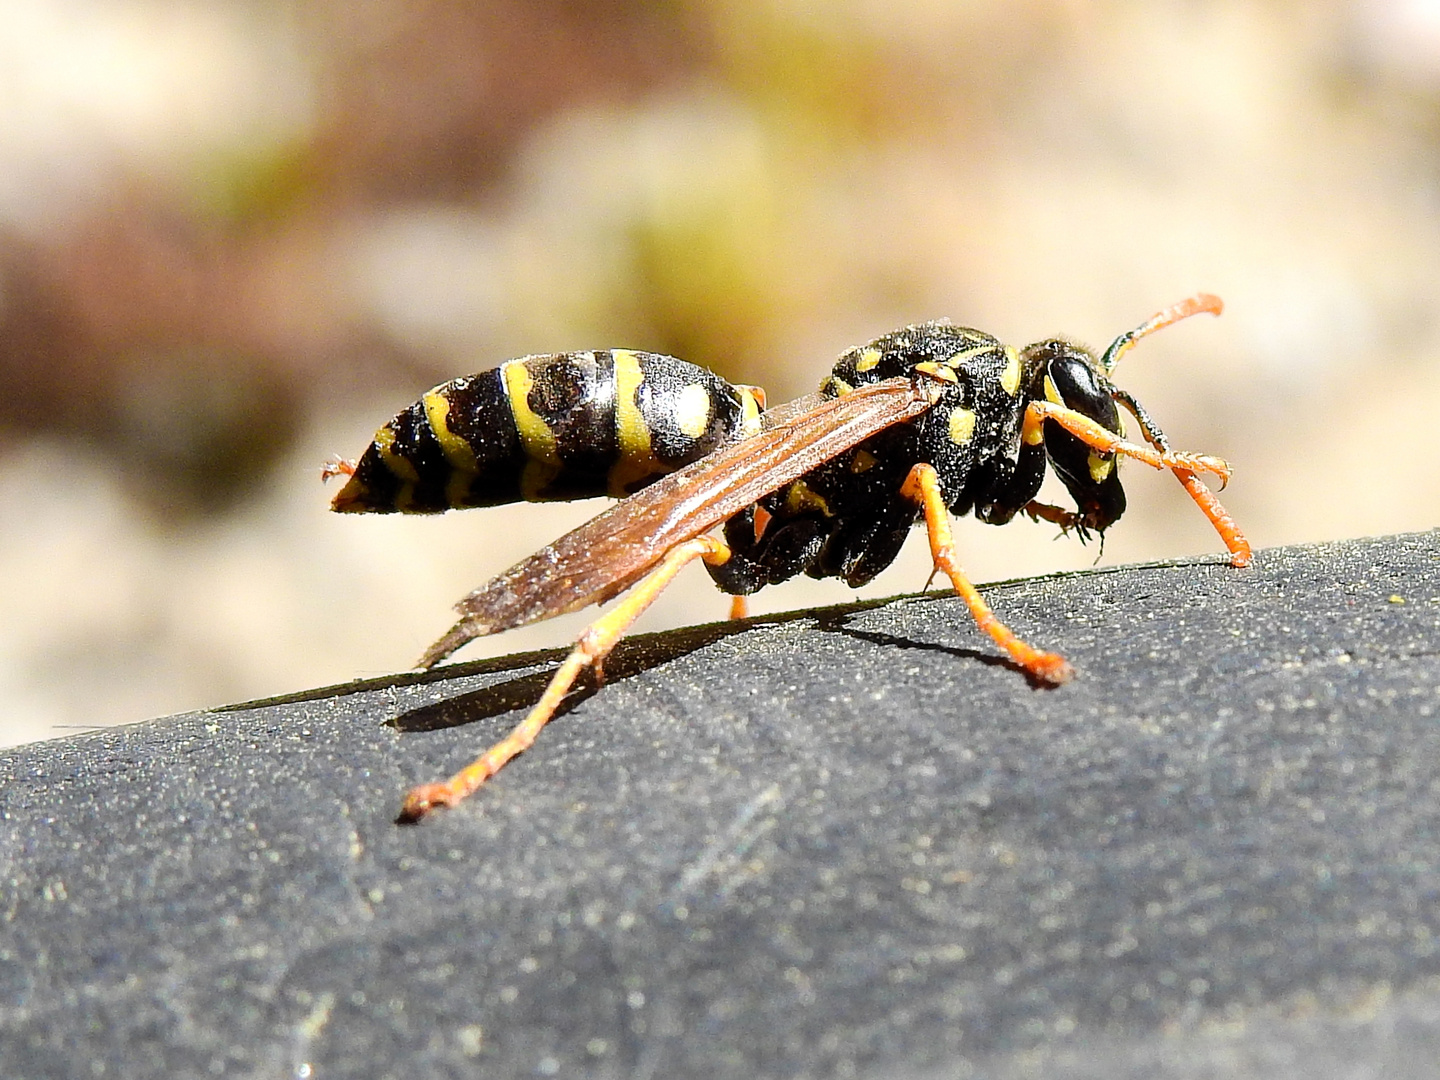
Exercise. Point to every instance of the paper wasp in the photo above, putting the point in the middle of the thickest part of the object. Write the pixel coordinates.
(927, 421)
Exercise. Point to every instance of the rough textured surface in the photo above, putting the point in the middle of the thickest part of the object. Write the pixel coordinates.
(848, 843)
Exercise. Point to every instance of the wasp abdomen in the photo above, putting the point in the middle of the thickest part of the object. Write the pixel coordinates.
(561, 426)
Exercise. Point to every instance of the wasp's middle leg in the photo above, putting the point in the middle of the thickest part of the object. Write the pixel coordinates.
(923, 485)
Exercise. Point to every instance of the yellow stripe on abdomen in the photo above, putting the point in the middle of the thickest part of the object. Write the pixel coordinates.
(457, 451)
(632, 433)
(537, 440)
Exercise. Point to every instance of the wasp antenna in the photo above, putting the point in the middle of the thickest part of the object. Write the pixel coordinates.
(1198, 304)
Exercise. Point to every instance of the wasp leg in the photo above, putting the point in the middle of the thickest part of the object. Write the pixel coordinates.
(1219, 517)
(1036, 510)
(1204, 498)
(1184, 466)
(594, 645)
(923, 486)
(1101, 438)
(740, 604)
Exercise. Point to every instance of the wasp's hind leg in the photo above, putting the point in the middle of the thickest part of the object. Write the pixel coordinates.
(590, 651)
(765, 550)
(923, 486)
(740, 575)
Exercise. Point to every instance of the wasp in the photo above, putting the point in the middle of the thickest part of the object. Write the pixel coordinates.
(926, 422)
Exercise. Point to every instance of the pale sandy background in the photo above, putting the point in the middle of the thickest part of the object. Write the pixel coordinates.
(236, 236)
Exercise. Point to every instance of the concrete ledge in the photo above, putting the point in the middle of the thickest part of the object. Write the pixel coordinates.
(851, 842)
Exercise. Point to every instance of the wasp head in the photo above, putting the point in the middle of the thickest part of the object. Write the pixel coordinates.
(1071, 377)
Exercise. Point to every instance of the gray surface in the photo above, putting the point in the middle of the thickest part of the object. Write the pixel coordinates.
(848, 843)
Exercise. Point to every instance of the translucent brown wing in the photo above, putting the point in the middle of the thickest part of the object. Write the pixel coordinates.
(609, 552)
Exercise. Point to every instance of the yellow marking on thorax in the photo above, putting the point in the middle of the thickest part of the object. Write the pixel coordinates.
(692, 410)
(956, 359)
(752, 404)
(1032, 430)
(632, 434)
(1010, 377)
(869, 360)
(935, 370)
(456, 450)
(962, 425)
(837, 384)
(801, 497)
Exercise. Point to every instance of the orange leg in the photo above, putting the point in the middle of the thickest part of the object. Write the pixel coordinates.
(1107, 442)
(594, 645)
(1235, 541)
(1217, 515)
(923, 486)
(1056, 515)
(740, 605)
(1204, 498)
(1184, 466)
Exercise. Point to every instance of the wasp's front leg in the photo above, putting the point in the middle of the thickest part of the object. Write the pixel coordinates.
(1098, 437)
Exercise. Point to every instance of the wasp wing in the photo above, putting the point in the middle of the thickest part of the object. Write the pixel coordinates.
(609, 552)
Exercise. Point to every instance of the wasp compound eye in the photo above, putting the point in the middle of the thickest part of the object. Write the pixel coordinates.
(1073, 381)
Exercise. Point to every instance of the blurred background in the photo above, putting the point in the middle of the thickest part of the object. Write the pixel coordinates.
(237, 235)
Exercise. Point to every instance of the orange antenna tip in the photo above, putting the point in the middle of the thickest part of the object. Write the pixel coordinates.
(1199, 304)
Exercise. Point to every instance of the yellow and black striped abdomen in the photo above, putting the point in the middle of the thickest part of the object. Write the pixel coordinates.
(562, 426)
